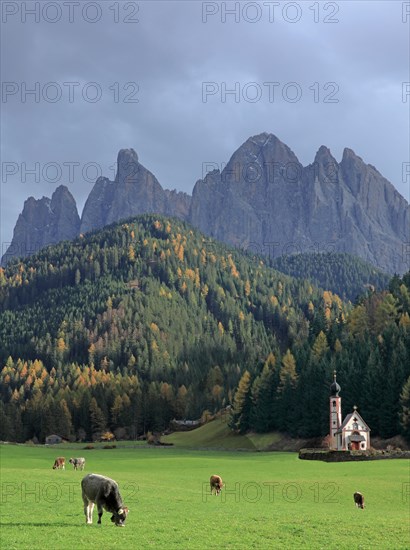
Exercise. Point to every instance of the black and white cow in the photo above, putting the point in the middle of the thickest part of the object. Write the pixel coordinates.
(103, 492)
(78, 463)
(359, 500)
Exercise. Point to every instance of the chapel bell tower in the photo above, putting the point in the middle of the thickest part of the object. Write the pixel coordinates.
(335, 413)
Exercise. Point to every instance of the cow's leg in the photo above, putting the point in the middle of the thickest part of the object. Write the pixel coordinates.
(88, 510)
(100, 512)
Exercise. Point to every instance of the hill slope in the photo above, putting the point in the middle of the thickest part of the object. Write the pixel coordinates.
(151, 301)
(147, 320)
(217, 435)
(347, 276)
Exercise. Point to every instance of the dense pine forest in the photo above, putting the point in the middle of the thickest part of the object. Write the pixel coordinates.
(347, 276)
(129, 327)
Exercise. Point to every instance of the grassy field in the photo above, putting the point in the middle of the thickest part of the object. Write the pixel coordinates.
(217, 435)
(271, 500)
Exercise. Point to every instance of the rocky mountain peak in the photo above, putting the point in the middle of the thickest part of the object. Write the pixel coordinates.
(350, 155)
(324, 154)
(325, 166)
(357, 174)
(42, 222)
(127, 166)
(261, 161)
(62, 196)
(62, 190)
(135, 191)
(267, 146)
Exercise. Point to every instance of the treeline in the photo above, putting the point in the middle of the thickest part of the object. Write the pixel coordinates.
(83, 402)
(347, 276)
(131, 326)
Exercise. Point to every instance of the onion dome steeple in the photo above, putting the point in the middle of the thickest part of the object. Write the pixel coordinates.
(334, 387)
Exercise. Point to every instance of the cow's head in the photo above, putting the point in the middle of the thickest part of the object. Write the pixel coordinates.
(71, 461)
(120, 516)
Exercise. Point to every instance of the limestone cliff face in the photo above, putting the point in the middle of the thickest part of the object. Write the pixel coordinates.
(264, 201)
(97, 205)
(42, 222)
(177, 204)
(135, 191)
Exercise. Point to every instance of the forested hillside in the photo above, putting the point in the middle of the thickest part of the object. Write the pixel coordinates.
(371, 355)
(348, 276)
(148, 320)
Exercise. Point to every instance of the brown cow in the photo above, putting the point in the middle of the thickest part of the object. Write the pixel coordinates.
(359, 500)
(216, 483)
(59, 463)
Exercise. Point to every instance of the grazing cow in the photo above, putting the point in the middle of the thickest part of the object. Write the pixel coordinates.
(216, 483)
(59, 463)
(359, 500)
(103, 492)
(78, 463)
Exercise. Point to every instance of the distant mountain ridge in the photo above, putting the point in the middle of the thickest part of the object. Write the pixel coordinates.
(264, 200)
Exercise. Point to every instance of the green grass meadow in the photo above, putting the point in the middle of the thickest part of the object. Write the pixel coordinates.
(271, 500)
(217, 435)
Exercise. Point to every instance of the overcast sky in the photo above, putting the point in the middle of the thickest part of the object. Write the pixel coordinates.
(152, 76)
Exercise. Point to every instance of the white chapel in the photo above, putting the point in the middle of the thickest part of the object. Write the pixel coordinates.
(351, 434)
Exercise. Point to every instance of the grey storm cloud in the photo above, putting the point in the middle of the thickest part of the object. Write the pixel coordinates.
(177, 60)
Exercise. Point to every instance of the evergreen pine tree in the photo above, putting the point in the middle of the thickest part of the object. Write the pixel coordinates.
(240, 414)
(405, 410)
